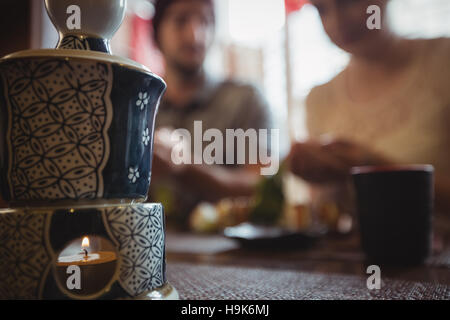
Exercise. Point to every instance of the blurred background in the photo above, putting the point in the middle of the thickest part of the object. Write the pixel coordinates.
(279, 45)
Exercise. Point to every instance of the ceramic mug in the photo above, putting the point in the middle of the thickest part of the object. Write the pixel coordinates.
(41, 253)
(395, 208)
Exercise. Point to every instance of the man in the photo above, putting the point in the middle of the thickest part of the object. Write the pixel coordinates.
(184, 31)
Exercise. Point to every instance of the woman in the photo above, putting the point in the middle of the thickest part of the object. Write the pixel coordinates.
(391, 104)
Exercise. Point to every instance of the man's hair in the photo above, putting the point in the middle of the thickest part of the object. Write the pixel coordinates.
(161, 7)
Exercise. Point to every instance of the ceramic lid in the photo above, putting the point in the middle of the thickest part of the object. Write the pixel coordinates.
(77, 54)
(86, 24)
(85, 29)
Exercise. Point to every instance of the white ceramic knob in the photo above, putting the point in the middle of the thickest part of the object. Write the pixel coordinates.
(86, 19)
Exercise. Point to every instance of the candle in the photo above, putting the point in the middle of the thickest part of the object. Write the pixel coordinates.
(96, 270)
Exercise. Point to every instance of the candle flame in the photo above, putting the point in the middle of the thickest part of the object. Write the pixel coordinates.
(85, 243)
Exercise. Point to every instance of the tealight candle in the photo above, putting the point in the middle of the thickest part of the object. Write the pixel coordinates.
(96, 269)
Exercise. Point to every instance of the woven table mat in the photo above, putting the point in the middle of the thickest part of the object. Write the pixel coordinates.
(203, 282)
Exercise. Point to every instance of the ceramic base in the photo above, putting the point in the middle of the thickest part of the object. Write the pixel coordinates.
(166, 292)
(40, 250)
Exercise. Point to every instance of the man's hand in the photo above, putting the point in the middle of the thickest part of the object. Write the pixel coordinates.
(162, 154)
(329, 160)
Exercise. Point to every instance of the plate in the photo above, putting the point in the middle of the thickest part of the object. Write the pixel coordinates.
(264, 237)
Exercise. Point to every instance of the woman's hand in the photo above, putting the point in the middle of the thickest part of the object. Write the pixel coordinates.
(309, 161)
(329, 160)
(353, 154)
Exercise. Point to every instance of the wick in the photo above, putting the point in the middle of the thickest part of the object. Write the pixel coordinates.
(85, 253)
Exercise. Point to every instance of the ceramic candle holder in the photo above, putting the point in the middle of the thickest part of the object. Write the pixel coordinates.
(76, 137)
(45, 254)
(76, 123)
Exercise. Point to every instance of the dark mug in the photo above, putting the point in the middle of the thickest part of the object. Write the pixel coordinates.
(395, 205)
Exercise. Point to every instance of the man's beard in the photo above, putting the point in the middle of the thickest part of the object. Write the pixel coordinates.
(187, 71)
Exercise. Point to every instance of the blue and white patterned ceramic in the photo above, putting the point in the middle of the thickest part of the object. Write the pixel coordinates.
(32, 239)
(76, 124)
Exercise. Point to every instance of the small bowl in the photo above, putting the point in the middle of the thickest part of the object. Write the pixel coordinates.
(262, 237)
(41, 253)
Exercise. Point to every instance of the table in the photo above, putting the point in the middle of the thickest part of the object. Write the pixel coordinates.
(213, 267)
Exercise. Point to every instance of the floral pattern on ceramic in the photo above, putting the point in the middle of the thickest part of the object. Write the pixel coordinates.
(80, 42)
(142, 100)
(133, 174)
(59, 116)
(139, 232)
(74, 43)
(146, 137)
(24, 255)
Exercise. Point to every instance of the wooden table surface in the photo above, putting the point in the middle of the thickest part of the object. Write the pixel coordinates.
(336, 260)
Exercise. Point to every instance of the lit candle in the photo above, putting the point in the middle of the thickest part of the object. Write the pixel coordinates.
(85, 246)
(96, 269)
